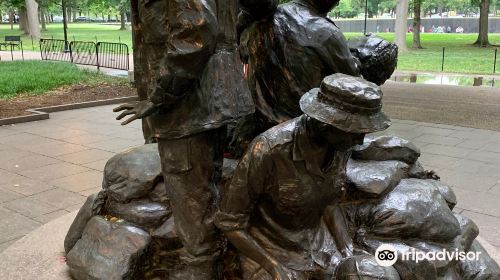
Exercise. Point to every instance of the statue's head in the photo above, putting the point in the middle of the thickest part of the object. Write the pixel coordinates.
(344, 109)
(378, 57)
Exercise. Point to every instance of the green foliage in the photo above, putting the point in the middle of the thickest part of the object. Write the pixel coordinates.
(346, 9)
(38, 77)
(92, 7)
(353, 8)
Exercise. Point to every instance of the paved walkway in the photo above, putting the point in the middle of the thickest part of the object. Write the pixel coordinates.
(47, 168)
(477, 107)
(5, 55)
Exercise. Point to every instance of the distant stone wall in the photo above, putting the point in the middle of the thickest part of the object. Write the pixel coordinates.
(470, 25)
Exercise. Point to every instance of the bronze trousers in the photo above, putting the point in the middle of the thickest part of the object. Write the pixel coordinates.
(192, 167)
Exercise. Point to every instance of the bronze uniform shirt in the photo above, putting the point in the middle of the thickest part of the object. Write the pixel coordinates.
(200, 89)
(278, 195)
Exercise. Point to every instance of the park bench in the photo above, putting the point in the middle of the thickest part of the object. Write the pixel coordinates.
(11, 42)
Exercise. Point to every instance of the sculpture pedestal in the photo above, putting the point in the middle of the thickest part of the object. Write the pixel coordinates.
(37, 255)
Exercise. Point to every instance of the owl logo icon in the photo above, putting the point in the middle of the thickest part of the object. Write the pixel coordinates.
(386, 255)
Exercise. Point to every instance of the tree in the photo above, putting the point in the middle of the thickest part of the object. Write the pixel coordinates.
(482, 39)
(10, 11)
(373, 6)
(11, 19)
(23, 19)
(33, 26)
(122, 6)
(401, 24)
(417, 9)
(388, 6)
(345, 9)
(43, 13)
(11, 6)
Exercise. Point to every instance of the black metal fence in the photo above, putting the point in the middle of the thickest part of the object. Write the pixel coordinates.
(113, 55)
(54, 49)
(484, 61)
(84, 53)
(462, 59)
(100, 54)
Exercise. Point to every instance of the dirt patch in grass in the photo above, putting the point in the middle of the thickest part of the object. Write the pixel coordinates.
(18, 105)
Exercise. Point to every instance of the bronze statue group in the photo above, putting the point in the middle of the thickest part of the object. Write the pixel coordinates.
(289, 210)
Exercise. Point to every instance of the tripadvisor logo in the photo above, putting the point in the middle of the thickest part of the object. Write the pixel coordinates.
(387, 255)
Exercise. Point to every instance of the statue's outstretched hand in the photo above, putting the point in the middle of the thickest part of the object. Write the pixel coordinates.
(138, 110)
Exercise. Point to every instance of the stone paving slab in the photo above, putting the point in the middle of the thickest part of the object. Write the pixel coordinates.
(47, 168)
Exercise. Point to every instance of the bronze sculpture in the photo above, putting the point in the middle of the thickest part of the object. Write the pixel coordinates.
(290, 48)
(198, 90)
(299, 206)
(288, 184)
(289, 53)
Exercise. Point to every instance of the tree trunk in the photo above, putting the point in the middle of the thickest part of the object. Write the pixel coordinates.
(482, 39)
(122, 20)
(401, 24)
(33, 26)
(417, 8)
(42, 17)
(11, 19)
(23, 20)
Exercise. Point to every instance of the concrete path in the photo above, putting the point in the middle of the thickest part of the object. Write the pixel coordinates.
(477, 107)
(47, 168)
(5, 55)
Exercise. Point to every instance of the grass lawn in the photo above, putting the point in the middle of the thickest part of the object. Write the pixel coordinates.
(38, 77)
(460, 56)
(76, 31)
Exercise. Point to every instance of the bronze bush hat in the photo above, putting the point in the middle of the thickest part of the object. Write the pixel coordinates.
(349, 103)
